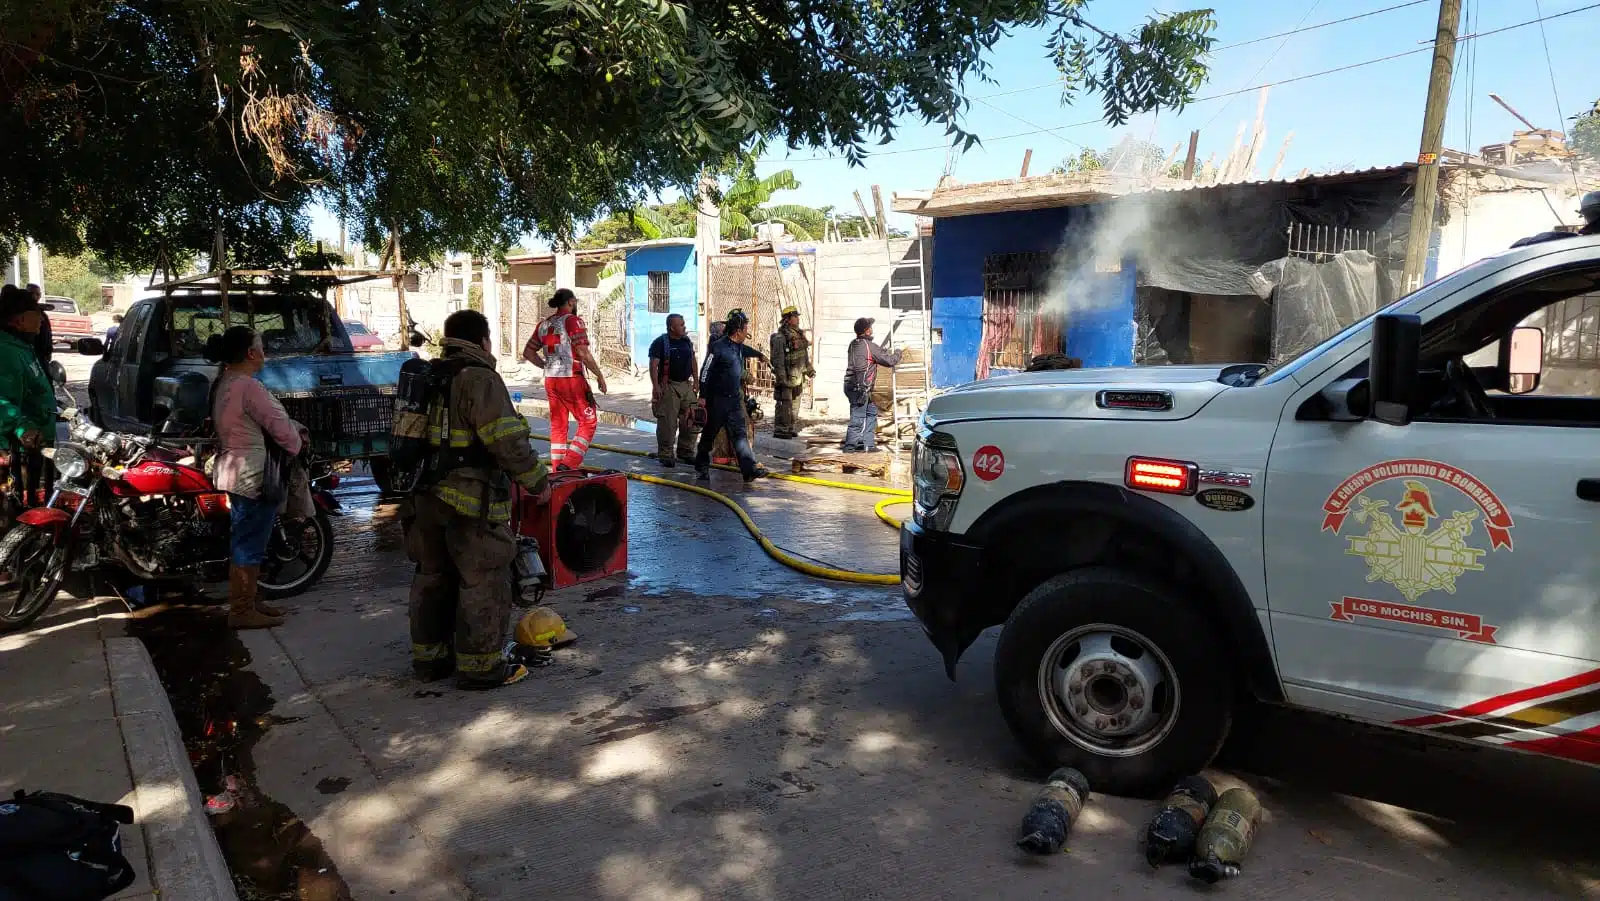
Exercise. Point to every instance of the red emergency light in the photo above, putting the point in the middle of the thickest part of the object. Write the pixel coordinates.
(1165, 476)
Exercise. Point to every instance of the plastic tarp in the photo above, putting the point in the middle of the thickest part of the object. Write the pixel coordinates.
(1314, 300)
(1210, 242)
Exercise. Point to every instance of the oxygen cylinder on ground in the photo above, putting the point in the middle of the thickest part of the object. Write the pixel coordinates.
(1171, 834)
(1224, 840)
(530, 571)
(1055, 808)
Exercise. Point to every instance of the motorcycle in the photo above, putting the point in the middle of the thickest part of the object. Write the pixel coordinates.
(140, 508)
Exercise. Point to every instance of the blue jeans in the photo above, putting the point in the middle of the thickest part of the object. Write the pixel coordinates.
(725, 413)
(862, 433)
(250, 529)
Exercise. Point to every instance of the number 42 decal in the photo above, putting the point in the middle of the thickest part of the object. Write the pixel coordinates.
(988, 463)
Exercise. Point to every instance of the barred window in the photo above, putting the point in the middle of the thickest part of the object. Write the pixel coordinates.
(660, 292)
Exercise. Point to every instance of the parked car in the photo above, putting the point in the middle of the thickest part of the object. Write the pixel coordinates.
(1389, 526)
(345, 399)
(67, 323)
(362, 338)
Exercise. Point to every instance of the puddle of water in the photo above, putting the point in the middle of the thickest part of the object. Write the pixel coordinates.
(223, 709)
(881, 615)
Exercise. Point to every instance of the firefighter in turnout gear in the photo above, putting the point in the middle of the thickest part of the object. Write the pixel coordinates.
(458, 531)
(791, 366)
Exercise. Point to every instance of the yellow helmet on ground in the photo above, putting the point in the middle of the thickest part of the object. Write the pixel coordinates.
(542, 627)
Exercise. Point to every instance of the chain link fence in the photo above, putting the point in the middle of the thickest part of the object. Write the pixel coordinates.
(762, 284)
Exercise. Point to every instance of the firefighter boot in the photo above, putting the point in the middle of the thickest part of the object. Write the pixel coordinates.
(242, 612)
(262, 607)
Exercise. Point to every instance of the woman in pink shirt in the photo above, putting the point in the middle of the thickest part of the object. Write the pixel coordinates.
(246, 416)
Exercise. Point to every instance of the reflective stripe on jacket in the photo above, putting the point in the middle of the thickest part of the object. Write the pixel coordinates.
(480, 410)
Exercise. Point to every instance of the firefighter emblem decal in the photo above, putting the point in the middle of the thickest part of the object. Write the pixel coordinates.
(1439, 510)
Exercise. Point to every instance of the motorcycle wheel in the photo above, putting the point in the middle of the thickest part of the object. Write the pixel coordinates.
(37, 566)
(297, 557)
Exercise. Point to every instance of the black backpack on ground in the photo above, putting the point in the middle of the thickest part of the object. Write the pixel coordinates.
(56, 847)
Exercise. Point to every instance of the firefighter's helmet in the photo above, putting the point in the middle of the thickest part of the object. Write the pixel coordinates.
(542, 627)
(790, 310)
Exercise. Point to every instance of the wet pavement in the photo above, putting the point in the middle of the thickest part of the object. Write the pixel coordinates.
(729, 728)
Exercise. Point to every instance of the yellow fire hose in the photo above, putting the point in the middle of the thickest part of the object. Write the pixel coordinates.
(896, 496)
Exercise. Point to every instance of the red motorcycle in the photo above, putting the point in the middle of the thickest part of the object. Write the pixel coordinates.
(140, 509)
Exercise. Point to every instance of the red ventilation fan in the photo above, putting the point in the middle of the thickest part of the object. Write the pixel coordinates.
(583, 531)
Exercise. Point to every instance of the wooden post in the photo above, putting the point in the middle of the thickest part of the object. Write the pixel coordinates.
(1188, 161)
(338, 290)
(1225, 168)
(491, 304)
(398, 262)
(866, 221)
(877, 206)
(516, 319)
(1172, 157)
(1027, 157)
(1282, 151)
(1426, 193)
(219, 263)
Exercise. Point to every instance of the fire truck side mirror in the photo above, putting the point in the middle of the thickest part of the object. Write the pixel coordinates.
(1396, 346)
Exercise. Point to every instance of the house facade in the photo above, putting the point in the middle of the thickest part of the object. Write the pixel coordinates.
(662, 278)
(1118, 270)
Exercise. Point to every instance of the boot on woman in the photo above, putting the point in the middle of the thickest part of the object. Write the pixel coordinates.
(244, 610)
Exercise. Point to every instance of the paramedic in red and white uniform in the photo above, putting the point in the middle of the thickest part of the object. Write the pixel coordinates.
(561, 346)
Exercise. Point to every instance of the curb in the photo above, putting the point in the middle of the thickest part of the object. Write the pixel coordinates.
(186, 864)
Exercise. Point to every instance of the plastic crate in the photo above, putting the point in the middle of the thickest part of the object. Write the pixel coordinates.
(345, 424)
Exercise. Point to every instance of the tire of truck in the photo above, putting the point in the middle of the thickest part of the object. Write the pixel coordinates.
(1115, 675)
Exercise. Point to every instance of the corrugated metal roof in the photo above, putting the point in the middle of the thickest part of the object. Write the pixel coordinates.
(1049, 191)
(1336, 175)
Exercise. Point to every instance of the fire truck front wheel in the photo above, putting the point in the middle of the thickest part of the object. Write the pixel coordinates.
(1115, 675)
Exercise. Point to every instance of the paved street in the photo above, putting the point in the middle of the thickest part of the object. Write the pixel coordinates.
(726, 728)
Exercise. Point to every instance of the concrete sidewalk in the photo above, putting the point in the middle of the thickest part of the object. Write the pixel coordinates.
(83, 712)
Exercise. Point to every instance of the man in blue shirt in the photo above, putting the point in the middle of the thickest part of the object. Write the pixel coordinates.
(722, 392)
(674, 382)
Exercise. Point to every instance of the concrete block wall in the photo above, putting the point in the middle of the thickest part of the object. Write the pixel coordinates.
(852, 281)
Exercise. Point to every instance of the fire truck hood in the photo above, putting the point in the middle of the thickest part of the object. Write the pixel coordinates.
(1153, 392)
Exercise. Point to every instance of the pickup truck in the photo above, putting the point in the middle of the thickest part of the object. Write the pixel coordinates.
(67, 324)
(344, 398)
(1397, 525)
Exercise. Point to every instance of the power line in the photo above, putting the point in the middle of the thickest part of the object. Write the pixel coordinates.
(1054, 131)
(1550, 64)
(1265, 63)
(1296, 30)
(1427, 48)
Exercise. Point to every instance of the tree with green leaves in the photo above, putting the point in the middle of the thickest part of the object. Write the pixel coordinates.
(1586, 133)
(77, 277)
(1129, 155)
(465, 124)
(743, 205)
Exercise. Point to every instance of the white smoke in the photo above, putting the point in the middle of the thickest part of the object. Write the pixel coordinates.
(1092, 252)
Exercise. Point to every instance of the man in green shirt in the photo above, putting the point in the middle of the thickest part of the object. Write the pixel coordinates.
(27, 403)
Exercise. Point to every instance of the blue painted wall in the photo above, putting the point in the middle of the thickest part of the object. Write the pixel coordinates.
(644, 326)
(960, 246)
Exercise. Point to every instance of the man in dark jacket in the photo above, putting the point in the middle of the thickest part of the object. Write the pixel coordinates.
(862, 360)
(722, 392)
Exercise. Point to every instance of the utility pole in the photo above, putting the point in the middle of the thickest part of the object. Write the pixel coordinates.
(1426, 195)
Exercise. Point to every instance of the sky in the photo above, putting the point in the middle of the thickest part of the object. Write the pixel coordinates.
(1370, 115)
